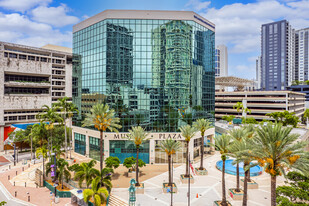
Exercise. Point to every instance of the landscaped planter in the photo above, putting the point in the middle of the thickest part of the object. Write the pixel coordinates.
(185, 180)
(133, 174)
(201, 172)
(236, 195)
(60, 193)
(251, 185)
(140, 188)
(218, 203)
(166, 188)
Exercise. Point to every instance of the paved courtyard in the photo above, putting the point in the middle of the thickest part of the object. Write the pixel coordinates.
(207, 187)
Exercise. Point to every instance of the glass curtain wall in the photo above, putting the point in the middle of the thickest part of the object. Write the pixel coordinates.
(94, 148)
(158, 74)
(80, 143)
(124, 148)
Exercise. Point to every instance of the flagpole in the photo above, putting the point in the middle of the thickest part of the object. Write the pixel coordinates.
(172, 183)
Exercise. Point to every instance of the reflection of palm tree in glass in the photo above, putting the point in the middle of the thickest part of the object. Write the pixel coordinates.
(139, 118)
(171, 118)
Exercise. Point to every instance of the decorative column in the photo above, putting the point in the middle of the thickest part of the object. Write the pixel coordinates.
(106, 148)
(191, 149)
(152, 153)
(87, 146)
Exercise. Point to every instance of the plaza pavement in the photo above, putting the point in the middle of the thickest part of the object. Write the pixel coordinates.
(38, 196)
(207, 187)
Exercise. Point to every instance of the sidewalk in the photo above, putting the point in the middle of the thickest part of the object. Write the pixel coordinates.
(38, 196)
(207, 187)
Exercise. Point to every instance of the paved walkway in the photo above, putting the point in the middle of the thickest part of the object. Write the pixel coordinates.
(208, 187)
(38, 196)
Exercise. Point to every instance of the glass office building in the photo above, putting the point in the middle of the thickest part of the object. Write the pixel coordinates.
(155, 68)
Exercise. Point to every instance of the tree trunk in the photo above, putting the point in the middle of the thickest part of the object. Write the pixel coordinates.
(169, 171)
(43, 168)
(187, 161)
(65, 137)
(101, 156)
(136, 168)
(71, 140)
(307, 122)
(202, 152)
(237, 177)
(51, 141)
(245, 197)
(249, 176)
(31, 149)
(273, 190)
(223, 184)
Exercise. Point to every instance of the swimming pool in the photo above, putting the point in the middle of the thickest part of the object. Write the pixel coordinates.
(231, 169)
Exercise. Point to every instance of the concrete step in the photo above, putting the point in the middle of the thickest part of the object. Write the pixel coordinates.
(116, 201)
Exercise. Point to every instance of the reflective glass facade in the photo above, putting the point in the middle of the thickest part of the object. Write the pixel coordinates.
(80, 143)
(94, 148)
(123, 149)
(151, 72)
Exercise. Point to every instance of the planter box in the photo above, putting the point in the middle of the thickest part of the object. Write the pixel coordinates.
(167, 189)
(201, 172)
(218, 203)
(251, 185)
(140, 189)
(132, 174)
(185, 180)
(236, 195)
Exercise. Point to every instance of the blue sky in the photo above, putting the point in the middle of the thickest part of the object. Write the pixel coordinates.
(238, 23)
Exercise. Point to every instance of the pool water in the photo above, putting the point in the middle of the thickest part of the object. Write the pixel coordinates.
(231, 169)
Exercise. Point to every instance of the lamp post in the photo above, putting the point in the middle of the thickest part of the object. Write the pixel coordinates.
(132, 189)
(189, 181)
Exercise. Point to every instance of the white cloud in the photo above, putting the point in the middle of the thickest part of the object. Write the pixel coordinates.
(239, 25)
(197, 5)
(56, 16)
(22, 5)
(19, 28)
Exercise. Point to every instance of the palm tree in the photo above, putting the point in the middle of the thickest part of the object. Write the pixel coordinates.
(277, 150)
(42, 151)
(202, 125)
(223, 143)
(187, 132)
(306, 115)
(63, 171)
(246, 110)
(71, 110)
(97, 194)
(58, 151)
(138, 136)
(106, 176)
(241, 150)
(50, 115)
(102, 118)
(237, 136)
(85, 172)
(170, 147)
(239, 107)
(66, 107)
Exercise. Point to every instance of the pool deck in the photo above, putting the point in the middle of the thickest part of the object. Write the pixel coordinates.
(207, 187)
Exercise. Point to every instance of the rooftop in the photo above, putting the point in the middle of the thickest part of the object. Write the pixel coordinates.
(45, 49)
(57, 48)
(144, 14)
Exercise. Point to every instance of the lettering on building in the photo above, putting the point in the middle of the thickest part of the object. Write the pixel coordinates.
(170, 136)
